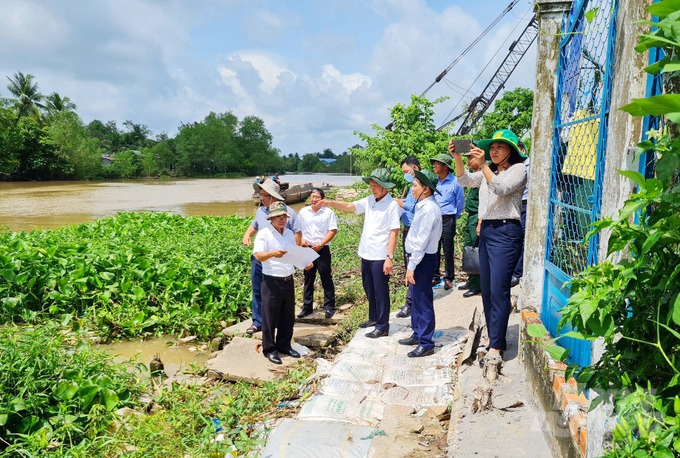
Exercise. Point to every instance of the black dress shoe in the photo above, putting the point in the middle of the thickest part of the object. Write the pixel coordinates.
(470, 293)
(465, 285)
(404, 312)
(274, 358)
(292, 353)
(304, 313)
(514, 282)
(409, 341)
(368, 324)
(330, 313)
(374, 334)
(436, 281)
(420, 351)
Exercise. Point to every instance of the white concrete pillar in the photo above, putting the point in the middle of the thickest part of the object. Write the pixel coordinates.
(550, 16)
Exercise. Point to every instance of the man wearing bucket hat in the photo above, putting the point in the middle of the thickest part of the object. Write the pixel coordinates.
(278, 291)
(376, 249)
(501, 184)
(269, 193)
(422, 243)
(452, 202)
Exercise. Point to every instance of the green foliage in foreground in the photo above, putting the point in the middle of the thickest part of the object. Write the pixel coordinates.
(59, 395)
(55, 390)
(129, 275)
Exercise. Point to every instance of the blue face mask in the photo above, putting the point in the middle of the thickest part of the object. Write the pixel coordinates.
(408, 177)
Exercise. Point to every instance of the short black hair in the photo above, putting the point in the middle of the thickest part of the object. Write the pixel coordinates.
(411, 160)
(521, 145)
(320, 191)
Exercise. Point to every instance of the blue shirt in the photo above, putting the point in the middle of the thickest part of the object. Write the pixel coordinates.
(409, 208)
(452, 198)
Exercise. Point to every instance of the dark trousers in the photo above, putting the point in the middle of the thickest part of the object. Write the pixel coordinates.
(499, 246)
(377, 287)
(446, 243)
(278, 313)
(407, 256)
(322, 264)
(256, 281)
(472, 239)
(422, 311)
(519, 268)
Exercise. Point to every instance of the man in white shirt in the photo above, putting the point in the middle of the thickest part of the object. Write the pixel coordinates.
(319, 225)
(269, 193)
(376, 249)
(423, 242)
(278, 291)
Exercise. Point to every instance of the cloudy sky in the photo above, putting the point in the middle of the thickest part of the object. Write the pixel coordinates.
(314, 70)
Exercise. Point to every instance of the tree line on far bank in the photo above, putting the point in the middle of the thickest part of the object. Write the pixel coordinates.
(43, 138)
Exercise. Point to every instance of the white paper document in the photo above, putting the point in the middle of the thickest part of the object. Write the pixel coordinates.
(299, 256)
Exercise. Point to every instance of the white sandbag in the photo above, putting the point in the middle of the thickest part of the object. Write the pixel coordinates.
(331, 408)
(409, 377)
(360, 354)
(362, 372)
(404, 362)
(417, 396)
(314, 439)
(351, 389)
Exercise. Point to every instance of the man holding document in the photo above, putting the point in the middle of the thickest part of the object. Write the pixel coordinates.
(276, 248)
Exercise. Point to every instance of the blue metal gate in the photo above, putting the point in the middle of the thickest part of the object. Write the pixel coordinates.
(579, 145)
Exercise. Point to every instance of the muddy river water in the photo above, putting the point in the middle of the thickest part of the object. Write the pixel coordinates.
(29, 205)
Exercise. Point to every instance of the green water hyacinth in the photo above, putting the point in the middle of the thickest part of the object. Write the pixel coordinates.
(130, 275)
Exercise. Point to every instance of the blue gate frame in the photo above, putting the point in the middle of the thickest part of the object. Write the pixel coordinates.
(579, 144)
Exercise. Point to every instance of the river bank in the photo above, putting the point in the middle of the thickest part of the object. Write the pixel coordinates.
(116, 278)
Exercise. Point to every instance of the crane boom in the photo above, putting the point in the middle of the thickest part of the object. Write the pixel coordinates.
(481, 104)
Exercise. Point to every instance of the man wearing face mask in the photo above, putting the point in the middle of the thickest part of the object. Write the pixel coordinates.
(408, 166)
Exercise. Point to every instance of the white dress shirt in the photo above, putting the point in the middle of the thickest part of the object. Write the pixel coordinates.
(270, 239)
(380, 218)
(425, 232)
(316, 225)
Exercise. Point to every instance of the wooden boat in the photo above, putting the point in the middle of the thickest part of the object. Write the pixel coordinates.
(291, 194)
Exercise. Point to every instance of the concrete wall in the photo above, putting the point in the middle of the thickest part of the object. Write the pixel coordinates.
(550, 15)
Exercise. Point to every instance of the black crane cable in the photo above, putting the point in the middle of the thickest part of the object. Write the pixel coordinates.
(472, 45)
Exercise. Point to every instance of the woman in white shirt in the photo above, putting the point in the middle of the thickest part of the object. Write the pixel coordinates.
(319, 225)
(278, 291)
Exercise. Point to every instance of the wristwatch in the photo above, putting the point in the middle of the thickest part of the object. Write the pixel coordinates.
(391, 256)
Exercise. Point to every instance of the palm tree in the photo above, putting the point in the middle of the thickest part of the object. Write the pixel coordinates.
(55, 103)
(27, 97)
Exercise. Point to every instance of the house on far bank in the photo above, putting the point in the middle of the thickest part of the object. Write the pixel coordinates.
(107, 160)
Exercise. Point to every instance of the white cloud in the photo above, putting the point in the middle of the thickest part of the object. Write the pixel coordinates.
(311, 83)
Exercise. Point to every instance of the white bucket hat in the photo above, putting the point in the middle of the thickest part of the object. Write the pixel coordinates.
(270, 188)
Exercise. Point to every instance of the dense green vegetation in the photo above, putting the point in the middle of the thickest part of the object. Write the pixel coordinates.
(55, 390)
(42, 138)
(60, 395)
(129, 275)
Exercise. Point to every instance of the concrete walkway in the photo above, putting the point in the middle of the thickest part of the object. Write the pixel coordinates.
(374, 402)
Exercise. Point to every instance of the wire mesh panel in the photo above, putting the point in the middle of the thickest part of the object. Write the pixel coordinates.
(579, 144)
(580, 133)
